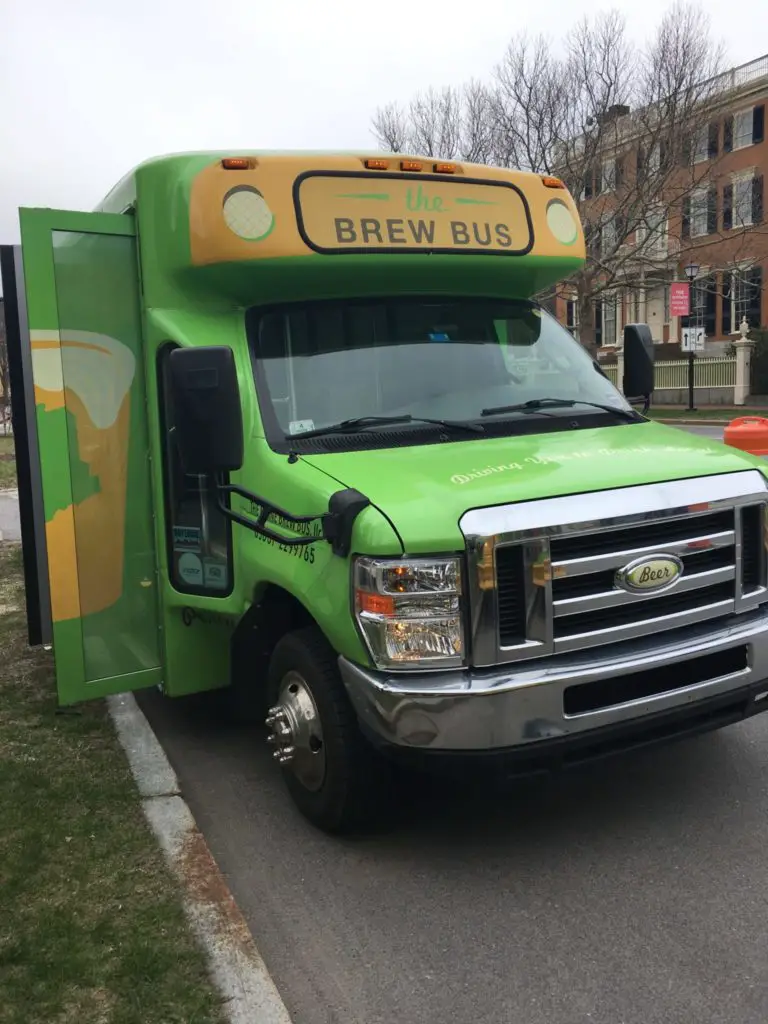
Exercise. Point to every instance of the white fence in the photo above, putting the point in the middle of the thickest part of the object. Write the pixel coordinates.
(709, 372)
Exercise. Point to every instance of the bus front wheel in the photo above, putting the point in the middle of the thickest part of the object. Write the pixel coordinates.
(335, 778)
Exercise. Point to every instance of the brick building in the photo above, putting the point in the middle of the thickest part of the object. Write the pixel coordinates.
(719, 224)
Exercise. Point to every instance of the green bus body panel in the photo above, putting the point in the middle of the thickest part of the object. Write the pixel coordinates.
(197, 628)
(84, 312)
(449, 479)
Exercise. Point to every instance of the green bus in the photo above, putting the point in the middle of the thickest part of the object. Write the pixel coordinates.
(291, 427)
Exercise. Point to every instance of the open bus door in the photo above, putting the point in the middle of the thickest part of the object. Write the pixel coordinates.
(79, 417)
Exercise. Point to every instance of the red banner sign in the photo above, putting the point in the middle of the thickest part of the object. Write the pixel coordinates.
(679, 299)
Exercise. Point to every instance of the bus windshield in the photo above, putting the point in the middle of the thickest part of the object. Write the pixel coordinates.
(319, 364)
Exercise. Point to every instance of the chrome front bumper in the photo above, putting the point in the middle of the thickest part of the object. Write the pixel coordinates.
(509, 707)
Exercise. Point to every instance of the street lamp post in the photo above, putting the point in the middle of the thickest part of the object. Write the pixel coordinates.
(691, 272)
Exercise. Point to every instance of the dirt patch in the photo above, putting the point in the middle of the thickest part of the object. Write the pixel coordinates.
(206, 885)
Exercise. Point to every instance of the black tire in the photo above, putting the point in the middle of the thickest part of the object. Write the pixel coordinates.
(355, 795)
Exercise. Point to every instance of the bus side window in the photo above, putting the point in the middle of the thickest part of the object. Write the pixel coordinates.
(198, 536)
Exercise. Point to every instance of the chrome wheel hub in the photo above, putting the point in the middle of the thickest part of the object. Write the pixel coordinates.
(296, 732)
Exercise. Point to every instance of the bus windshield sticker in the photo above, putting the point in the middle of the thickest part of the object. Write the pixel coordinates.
(299, 426)
(215, 574)
(186, 538)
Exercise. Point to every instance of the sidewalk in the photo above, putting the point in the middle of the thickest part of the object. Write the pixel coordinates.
(703, 416)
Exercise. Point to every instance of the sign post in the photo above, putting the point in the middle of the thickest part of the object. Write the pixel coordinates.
(693, 339)
(680, 301)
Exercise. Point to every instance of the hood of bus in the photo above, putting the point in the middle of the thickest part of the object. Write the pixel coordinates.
(425, 490)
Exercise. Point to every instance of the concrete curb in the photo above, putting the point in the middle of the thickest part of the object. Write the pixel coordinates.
(237, 970)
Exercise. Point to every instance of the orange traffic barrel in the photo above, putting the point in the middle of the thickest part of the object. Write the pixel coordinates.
(748, 434)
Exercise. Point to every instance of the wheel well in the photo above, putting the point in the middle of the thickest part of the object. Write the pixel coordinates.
(273, 613)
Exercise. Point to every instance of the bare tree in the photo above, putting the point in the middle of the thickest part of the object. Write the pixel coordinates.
(630, 130)
(447, 124)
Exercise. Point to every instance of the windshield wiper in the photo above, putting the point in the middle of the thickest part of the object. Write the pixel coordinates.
(363, 422)
(535, 404)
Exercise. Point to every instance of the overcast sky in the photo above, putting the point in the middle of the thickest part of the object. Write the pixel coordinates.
(92, 87)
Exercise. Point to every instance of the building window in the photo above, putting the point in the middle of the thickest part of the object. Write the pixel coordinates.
(608, 238)
(703, 305)
(652, 235)
(648, 160)
(745, 128)
(572, 316)
(701, 146)
(739, 297)
(742, 298)
(609, 320)
(605, 321)
(742, 202)
(699, 213)
(742, 129)
(609, 175)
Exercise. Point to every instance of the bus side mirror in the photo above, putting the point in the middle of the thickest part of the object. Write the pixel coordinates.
(638, 361)
(207, 415)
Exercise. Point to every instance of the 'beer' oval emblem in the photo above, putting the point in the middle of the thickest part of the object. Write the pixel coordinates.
(649, 575)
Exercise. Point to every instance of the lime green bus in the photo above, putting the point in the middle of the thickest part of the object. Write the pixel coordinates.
(293, 428)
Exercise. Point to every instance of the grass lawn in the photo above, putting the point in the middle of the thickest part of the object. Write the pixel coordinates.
(91, 923)
(7, 463)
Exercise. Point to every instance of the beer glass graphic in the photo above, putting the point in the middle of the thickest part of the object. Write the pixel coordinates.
(90, 376)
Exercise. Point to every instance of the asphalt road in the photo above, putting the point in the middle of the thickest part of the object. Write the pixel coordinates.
(631, 895)
(714, 432)
(634, 895)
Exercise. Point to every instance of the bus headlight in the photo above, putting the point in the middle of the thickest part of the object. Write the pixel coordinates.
(409, 611)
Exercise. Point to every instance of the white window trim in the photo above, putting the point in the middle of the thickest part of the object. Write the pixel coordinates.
(698, 320)
(612, 298)
(736, 315)
(744, 112)
(572, 303)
